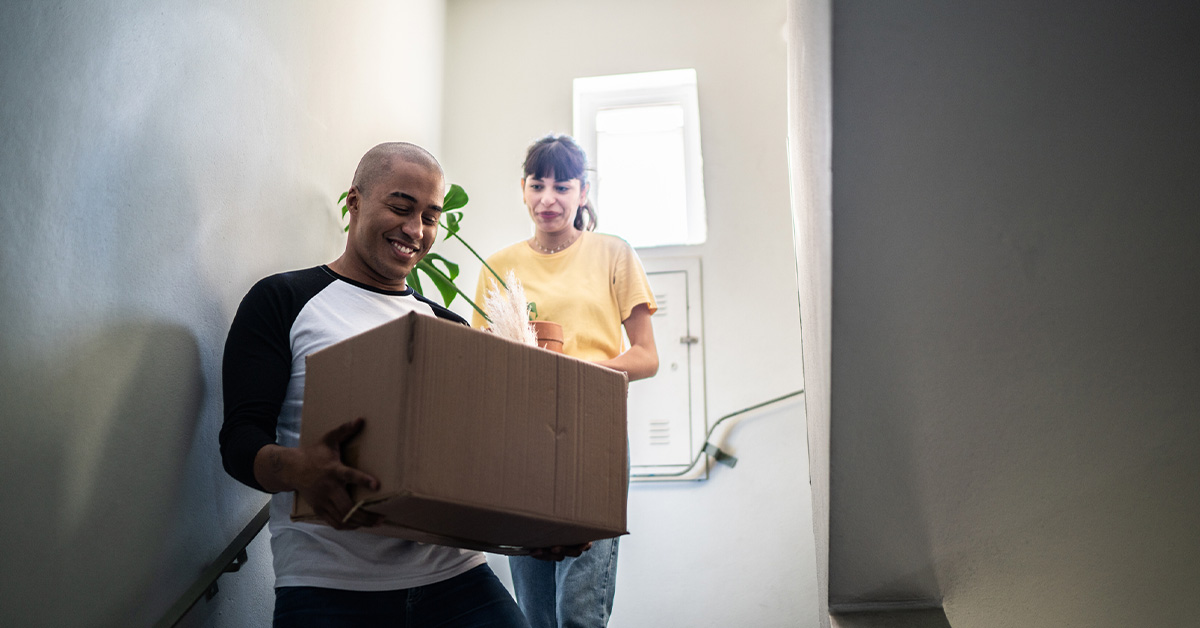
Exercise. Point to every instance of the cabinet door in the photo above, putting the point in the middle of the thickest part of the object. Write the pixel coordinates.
(667, 423)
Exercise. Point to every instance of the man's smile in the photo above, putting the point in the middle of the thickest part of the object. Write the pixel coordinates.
(403, 248)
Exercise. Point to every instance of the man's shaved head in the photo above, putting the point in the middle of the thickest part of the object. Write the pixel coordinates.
(379, 160)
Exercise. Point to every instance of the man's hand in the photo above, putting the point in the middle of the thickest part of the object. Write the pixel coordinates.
(323, 480)
(559, 552)
(317, 473)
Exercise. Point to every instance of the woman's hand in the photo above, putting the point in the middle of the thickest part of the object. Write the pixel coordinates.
(559, 552)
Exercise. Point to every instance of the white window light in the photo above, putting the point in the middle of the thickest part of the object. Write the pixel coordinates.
(642, 132)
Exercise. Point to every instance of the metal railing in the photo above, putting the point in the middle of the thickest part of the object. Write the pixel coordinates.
(230, 560)
(711, 449)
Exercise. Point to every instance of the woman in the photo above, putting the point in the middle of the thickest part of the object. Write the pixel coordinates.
(592, 284)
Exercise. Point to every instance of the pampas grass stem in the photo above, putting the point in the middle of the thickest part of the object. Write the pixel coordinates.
(509, 311)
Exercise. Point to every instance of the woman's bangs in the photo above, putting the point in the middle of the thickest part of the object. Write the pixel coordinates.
(554, 159)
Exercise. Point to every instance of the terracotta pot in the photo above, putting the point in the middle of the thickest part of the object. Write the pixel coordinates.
(549, 335)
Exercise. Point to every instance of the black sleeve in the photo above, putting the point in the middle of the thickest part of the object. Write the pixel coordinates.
(440, 311)
(255, 372)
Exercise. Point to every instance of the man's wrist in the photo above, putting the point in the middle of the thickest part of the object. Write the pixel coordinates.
(272, 468)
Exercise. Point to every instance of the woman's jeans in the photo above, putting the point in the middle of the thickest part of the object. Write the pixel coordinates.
(575, 593)
(475, 599)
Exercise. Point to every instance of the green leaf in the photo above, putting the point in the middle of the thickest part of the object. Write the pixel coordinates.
(443, 283)
(433, 273)
(453, 222)
(456, 197)
(445, 287)
(532, 307)
(451, 267)
(343, 196)
(413, 281)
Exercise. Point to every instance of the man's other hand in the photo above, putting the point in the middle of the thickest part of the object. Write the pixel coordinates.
(559, 552)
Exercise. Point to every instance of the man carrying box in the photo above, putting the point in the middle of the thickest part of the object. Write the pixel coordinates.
(334, 575)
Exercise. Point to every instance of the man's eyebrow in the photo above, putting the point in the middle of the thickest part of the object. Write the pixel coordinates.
(412, 199)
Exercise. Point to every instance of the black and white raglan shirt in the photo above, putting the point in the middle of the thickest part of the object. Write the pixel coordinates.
(282, 319)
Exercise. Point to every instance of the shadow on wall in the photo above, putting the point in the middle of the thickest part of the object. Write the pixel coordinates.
(96, 442)
(891, 492)
(923, 618)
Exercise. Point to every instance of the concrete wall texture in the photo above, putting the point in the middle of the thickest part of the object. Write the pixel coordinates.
(1015, 343)
(158, 159)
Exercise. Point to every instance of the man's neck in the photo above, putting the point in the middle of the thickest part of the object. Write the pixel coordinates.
(363, 275)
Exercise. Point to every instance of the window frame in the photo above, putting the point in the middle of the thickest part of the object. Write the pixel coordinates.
(666, 87)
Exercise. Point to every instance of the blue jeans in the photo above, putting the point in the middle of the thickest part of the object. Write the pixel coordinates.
(574, 593)
(475, 599)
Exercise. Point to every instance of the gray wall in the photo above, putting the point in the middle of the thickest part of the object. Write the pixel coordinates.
(1016, 347)
(159, 158)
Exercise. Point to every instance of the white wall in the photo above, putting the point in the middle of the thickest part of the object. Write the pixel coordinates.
(158, 159)
(810, 151)
(736, 549)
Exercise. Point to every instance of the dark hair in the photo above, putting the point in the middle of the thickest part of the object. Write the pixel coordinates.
(560, 157)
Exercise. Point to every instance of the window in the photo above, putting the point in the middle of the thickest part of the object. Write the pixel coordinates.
(642, 132)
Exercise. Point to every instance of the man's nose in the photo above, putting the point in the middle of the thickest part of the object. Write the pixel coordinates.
(413, 227)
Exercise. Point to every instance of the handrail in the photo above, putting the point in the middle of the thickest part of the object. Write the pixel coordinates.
(711, 449)
(230, 560)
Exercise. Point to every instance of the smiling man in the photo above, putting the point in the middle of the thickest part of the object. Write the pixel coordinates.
(395, 202)
(340, 576)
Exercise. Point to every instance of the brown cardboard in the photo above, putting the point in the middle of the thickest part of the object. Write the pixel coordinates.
(477, 441)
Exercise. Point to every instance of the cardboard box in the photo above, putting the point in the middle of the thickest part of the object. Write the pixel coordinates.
(477, 441)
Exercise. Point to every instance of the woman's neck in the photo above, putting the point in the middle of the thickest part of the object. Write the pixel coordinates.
(549, 243)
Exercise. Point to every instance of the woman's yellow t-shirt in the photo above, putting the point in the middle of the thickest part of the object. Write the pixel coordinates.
(589, 288)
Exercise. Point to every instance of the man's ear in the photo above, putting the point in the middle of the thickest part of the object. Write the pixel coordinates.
(352, 199)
